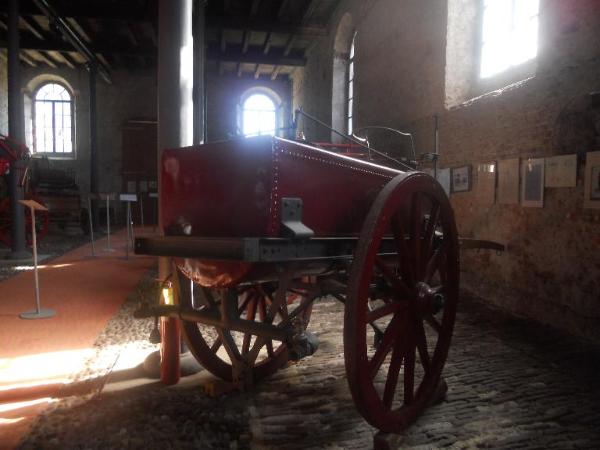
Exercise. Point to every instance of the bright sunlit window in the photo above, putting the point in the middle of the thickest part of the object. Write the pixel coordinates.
(259, 116)
(509, 35)
(53, 124)
(351, 86)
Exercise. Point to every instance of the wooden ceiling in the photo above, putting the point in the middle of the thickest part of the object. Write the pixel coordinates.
(243, 37)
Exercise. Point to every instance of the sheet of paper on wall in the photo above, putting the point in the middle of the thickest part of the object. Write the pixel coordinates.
(486, 183)
(508, 181)
(532, 187)
(561, 171)
(143, 186)
(131, 188)
(591, 197)
(443, 177)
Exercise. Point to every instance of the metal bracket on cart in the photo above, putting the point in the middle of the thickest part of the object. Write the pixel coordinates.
(291, 219)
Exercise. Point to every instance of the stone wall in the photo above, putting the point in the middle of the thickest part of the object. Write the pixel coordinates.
(551, 271)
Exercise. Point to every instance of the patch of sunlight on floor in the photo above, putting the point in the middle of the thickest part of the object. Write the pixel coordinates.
(33, 369)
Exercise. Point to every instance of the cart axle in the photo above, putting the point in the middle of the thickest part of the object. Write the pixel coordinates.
(213, 318)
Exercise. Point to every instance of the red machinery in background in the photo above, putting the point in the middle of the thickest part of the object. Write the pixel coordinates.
(11, 151)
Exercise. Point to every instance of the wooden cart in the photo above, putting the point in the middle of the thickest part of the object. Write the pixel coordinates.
(259, 228)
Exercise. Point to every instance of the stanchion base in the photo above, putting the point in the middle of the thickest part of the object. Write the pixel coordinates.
(42, 314)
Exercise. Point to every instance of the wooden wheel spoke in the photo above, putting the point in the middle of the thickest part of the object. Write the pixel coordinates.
(270, 350)
(244, 304)
(429, 236)
(434, 263)
(262, 310)
(216, 345)
(389, 308)
(398, 284)
(415, 233)
(387, 341)
(402, 248)
(230, 346)
(433, 322)
(250, 315)
(422, 347)
(392, 377)
(409, 372)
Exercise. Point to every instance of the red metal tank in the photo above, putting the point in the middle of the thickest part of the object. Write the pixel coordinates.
(234, 189)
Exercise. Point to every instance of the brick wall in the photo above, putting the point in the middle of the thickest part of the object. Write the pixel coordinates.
(551, 271)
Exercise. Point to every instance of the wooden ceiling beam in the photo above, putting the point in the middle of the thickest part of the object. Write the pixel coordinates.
(260, 25)
(123, 10)
(26, 59)
(282, 8)
(275, 72)
(42, 56)
(29, 43)
(267, 44)
(252, 56)
(247, 35)
(83, 31)
(288, 45)
(33, 27)
(68, 60)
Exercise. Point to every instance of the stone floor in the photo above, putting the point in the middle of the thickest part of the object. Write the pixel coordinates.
(512, 384)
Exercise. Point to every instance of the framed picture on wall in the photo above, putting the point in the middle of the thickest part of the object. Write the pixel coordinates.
(460, 179)
(532, 186)
(591, 191)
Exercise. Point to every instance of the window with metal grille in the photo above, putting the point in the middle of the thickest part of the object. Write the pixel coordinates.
(350, 92)
(509, 34)
(259, 115)
(53, 130)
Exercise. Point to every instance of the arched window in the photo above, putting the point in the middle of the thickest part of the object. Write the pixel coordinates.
(350, 89)
(53, 130)
(259, 115)
(343, 92)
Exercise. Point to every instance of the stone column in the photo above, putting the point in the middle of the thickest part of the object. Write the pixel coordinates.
(16, 131)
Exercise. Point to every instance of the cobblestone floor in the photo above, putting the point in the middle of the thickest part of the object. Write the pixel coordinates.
(512, 384)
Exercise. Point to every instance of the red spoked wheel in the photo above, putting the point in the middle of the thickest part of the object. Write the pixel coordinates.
(42, 222)
(401, 306)
(236, 356)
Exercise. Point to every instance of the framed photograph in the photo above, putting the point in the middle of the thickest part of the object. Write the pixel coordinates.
(561, 171)
(591, 197)
(460, 179)
(443, 177)
(532, 187)
(508, 181)
(485, 192)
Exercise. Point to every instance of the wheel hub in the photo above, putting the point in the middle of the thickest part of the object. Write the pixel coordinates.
(428, 300)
